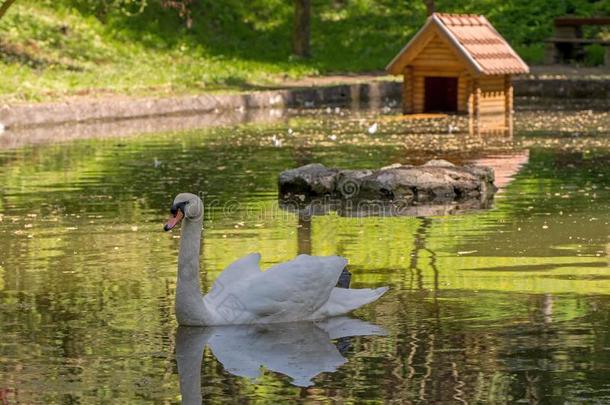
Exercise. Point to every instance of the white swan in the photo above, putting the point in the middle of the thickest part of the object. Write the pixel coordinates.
(299, 290)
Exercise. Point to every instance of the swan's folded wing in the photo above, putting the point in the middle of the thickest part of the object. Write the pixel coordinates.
(298, 287)
(239, 270)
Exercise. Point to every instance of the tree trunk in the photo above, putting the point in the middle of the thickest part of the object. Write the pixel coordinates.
(302, 28)
(430, 6)
(5, 6)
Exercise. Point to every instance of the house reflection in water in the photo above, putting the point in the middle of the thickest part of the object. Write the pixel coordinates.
(505, 165)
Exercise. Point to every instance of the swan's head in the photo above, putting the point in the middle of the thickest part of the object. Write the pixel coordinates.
(186, 205)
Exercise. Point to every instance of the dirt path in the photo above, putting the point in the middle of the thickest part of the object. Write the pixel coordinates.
(536, 72)
(330, 80)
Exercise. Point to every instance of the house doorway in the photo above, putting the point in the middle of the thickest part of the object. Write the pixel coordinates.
(441, 94)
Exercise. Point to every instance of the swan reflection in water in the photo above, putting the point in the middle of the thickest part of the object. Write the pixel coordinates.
(299, 350)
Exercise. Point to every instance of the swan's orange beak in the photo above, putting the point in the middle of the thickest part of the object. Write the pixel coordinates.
(173, 221)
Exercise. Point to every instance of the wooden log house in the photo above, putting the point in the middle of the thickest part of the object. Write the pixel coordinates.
(459, 64)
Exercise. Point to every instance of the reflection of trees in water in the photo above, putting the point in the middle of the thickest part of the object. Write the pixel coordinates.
(419, 246)
(440, 358)
(304, 235)
(451, 361)
(454, 364)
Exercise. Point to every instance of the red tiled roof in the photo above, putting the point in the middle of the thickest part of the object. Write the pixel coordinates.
(483, 43)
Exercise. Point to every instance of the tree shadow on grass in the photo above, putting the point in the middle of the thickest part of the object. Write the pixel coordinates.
(12, 53)
(342, 40)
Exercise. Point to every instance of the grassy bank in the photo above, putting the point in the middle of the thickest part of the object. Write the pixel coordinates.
(50, 53)
(53, 49)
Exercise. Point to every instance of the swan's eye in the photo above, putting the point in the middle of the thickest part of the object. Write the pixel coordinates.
(176, 207)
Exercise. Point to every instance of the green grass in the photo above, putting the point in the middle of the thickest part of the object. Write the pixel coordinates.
(594, 55)
(50, 49)
(49, 54)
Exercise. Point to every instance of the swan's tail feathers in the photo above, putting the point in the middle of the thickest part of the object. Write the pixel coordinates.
(338, 327)
(344, 300)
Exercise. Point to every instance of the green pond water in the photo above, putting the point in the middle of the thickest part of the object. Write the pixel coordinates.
(510, 304)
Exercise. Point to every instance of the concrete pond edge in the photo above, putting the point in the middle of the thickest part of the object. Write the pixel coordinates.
(375, 93)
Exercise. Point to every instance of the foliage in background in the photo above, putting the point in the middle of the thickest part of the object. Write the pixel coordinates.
(594, 55)
(56, 47)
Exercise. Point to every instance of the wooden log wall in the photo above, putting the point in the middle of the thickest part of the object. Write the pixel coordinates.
(437, 54)
(408, 91)
(474, 111)
(493, 95)
(464, 84)
(508, 113)
(492, 102)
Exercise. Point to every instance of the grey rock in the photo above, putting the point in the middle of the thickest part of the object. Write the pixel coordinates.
(349, 182)
(311, 180)
(438, 163)
(435, 182)
(392, 166)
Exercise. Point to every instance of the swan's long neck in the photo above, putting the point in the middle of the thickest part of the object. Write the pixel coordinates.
(190, 309)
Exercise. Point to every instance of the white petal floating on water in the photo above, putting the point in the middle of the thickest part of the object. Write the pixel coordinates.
(373, 128)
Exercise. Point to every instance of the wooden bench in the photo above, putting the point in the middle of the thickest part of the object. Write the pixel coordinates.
(568, 43)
